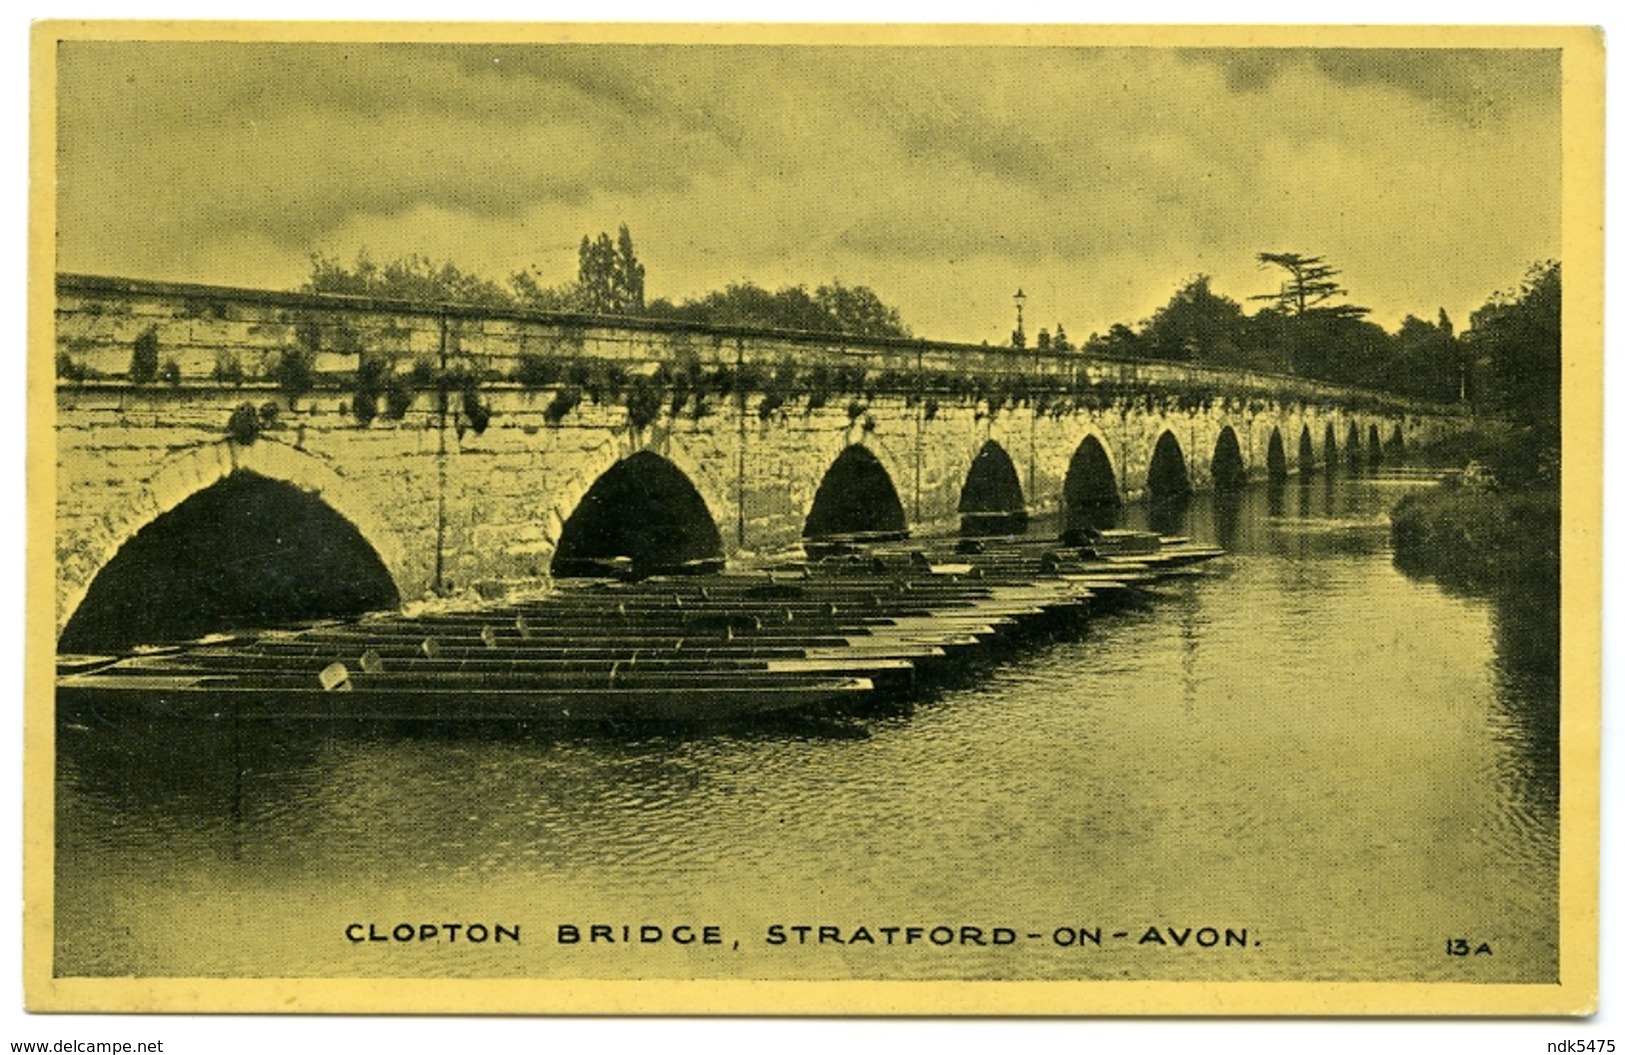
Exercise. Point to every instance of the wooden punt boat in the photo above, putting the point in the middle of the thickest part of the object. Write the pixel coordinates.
(868, 621)
(105, 693)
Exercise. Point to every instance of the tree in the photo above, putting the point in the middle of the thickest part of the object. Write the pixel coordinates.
(1426, 360)
(595, 275)
(609, 278)
(1120, 341)
(415, 278)
(1196, 323)
(859, 310)
(1517, 337)
(1310, 284)
(834, 308)
(529, 293)
(628, 273)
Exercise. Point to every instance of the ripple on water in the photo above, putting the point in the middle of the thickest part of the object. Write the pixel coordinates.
(1305, 744)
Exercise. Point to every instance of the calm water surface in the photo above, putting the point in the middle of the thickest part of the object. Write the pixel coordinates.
(1348, 765)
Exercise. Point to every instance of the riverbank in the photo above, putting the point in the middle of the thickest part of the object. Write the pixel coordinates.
(1479, 537)
(1496, 527)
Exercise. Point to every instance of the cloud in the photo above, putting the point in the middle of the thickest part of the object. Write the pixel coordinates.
(1464, 83)
(944, 177)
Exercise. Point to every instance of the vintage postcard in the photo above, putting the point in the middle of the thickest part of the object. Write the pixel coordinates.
(814, 519)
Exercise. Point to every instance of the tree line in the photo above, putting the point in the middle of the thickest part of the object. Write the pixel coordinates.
(1507, 362)
(610, 281)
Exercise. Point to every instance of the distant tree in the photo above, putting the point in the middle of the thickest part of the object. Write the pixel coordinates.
(628, 276)
(1517, 338)
(595, 275)
(1043, 340)
(834, 308)
(1119, 341)
(1426, 360)
(859, 310)
(529, 293)
(1309, 285)
(609, 278)
(1341, 348)
(610, 281)
(1060, 343)
(1196, 323)
(414, 278)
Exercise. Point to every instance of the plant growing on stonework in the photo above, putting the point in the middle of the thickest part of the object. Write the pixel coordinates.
(776, 390)
(70, 369)
(770, 405)
(683, 387)
(476, 411)
(537, 371)
(643, 402)
(750, 377)
(244, 424)
(820, 383)
(228, 368)
(170, 374)
(996, 397)
(294, 372)
(398, 397)
(463, 380)
(144, 356)
(718, 381)
(379, 389)
(371, 376)
(565, 400)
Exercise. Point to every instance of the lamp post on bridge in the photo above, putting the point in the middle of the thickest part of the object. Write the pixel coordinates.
(1018, 339)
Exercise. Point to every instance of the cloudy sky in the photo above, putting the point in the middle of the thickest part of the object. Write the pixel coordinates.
(1096, 179)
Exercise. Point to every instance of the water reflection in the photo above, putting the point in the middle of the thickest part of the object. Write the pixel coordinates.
(1248, 747)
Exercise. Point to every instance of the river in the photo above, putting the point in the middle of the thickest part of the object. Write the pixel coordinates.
(1300, 765)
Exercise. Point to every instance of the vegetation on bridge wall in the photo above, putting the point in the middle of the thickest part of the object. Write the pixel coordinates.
(385, 357)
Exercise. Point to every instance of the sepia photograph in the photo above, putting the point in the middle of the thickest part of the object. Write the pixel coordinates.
(786, 519)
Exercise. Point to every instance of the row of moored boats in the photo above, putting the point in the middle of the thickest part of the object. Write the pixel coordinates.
(854, 625)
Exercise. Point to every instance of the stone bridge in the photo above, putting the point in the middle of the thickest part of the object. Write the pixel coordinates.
(239, 452)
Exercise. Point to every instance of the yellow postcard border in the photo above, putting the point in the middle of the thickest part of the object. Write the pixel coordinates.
(1582, 250)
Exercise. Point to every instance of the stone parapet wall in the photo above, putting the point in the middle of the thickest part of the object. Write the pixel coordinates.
(453, 509)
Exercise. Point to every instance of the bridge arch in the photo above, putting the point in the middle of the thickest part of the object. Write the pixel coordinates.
(1306, 453)
(1167, 477)
(991, 500)
(1353, 452)
(857, 495)
(644, 511)
(1373, 445)
(617, 447)
(1275, 459)
(1328, 447)
(1396, 442)
(1089, 495)
(229, 487)
(1229, 472)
